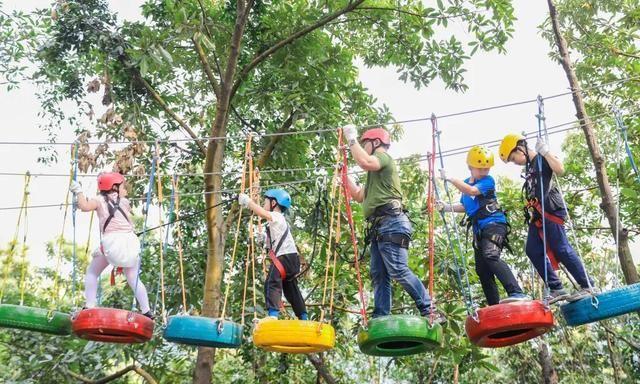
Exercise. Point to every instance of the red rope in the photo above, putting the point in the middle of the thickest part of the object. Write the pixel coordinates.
(354, 242)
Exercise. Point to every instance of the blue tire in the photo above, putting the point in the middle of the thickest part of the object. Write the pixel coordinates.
(203, 332)
(608, 304)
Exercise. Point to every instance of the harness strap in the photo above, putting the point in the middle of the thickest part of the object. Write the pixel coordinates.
(273, 254)
(538, 223)
(399, 239)
(113, 208)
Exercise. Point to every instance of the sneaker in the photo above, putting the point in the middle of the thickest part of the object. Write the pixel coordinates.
(437, 318)
(514, 298)
(581, 294)
(149, 314)
(558, 295)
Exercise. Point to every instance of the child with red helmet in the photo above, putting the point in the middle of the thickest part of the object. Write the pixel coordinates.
(119, 245)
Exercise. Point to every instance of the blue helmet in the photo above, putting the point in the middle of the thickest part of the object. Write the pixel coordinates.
(281, 197)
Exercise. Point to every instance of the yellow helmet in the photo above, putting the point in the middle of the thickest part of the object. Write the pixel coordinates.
(480, 157)
(508, 144)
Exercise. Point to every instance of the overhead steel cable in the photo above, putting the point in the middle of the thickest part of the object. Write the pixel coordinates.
(324, 130)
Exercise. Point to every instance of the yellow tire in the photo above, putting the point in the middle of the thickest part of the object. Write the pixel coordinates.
(293, 336)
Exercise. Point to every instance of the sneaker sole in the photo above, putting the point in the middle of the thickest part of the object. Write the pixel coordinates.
(559, 298)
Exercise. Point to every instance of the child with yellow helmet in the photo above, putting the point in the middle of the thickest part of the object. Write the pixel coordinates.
(514, 148)
(489, 223)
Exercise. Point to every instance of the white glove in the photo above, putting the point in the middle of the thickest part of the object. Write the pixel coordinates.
(350, 132)
(75, 187)
(443, 174)
(443, 207)
(542, 147)
(243, 200)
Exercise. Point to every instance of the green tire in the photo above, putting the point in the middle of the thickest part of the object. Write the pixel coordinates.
(35, 319)
(399, 335)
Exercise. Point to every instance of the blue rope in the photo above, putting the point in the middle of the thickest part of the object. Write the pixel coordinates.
(623, 133)
(144, 227)
(468, 297)
(541, 118)
(74, 257)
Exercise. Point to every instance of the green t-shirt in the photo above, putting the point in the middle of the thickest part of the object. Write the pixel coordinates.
(382, 186)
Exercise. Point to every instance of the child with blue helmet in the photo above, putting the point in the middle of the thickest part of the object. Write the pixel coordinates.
(285, 261)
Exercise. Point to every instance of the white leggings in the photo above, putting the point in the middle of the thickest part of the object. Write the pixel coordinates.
(98, 264)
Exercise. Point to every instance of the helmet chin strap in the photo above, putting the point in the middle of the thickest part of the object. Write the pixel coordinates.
(374, 147)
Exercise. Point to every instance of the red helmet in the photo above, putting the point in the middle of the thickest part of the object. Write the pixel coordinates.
(107, 180)
(377, 133)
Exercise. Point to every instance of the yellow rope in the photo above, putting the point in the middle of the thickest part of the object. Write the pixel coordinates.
(23, 275)
(14, 241)
(335, 255)
(56, 286)
(175, 183)
(332, 195)
(247, 154)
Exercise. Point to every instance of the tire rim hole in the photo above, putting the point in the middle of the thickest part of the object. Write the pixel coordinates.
(508, 334)
(394, 345)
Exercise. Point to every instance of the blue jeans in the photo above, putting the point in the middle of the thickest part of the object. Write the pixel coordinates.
(557, 241)
(390, 261)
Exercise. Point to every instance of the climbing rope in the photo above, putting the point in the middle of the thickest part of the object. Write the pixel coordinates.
(247, 155)
(467, 295)
(154, 163)
(568, 220)
(541, 118)
(55, 302)
(165, 243)
(23, 249)
(431, 228)
(336, 238)
(74, 212)
(176, 197)
(14, 242)
(622, 130)
(354, 242)
(330, 240)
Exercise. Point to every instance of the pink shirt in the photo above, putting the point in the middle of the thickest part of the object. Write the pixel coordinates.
(118, 223)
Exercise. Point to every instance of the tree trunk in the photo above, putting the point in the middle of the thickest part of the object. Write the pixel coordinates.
(549, 374)
(608, 203)
(213, 182)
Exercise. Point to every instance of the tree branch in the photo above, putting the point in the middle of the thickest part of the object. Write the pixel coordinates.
(113, 376)
(205, 65)
(156, 96)
(290, 39)
(630, 343)
(262, 160)
(321, 368)
(145, 375)
(103, 380)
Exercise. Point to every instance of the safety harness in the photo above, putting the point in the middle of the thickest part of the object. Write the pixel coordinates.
(533, 206)
(380, 214)
(488, 206)
(113, 207)
(273, 254)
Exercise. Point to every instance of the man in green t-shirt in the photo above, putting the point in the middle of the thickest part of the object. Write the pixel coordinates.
(390, 230)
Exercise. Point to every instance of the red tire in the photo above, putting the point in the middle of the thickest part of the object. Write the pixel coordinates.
(111, 325)
(502, 325)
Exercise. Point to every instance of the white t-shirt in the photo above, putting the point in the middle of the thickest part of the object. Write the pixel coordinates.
(277, 228)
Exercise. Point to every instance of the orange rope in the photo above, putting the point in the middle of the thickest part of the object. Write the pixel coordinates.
(354, 242)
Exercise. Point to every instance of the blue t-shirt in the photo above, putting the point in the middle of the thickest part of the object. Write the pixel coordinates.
(471, 204)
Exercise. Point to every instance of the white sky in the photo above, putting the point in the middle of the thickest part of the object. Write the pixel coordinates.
(523, 73)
